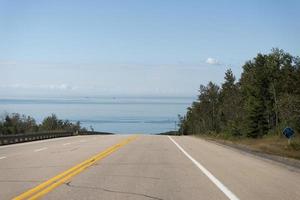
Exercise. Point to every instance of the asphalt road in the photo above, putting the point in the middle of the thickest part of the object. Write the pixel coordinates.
(149, 167)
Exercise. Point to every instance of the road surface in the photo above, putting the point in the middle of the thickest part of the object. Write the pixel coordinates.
(147, 167)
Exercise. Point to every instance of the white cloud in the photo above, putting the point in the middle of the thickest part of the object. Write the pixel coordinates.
(46, 87)
(212, 61)
(57, 87)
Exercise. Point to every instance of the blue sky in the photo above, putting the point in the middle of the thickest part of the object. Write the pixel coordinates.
(164, 48)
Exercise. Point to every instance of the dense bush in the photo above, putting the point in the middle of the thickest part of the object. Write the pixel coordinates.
(15, 123)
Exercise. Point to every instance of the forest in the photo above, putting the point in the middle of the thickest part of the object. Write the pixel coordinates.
(265, 100)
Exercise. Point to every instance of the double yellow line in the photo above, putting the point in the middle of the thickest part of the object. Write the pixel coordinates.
(45, 187)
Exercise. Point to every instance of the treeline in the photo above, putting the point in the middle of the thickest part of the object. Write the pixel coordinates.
(12, 124)
(265, 100)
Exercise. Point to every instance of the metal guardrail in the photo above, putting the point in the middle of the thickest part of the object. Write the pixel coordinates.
(27, 137)
(94, 133)
(12, 139)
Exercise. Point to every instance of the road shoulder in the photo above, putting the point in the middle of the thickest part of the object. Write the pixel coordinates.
(290, 163)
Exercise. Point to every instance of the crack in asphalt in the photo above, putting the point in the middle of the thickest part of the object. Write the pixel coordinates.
(113, 191)
(132, 176)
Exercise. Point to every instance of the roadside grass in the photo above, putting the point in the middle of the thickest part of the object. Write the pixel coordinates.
(270, 144)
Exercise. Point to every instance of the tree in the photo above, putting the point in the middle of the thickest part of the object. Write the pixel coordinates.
(50, 123)
(255, 87)
(230, 108)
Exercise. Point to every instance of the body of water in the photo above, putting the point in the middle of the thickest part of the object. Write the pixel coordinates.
(109, 114)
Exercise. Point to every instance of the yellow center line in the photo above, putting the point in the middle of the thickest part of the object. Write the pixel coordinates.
(47, 186)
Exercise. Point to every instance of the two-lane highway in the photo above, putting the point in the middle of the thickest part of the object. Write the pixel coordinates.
(146, 167)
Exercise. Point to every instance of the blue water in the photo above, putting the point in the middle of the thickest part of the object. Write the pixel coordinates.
(109, 114)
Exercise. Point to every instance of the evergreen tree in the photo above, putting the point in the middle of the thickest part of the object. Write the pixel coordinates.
(230, 105)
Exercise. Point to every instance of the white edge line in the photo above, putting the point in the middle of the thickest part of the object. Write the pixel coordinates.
(66, 144)
(2, 157)
(218, 183)
(41, 149)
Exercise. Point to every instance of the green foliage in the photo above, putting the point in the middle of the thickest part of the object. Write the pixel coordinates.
(15, 123)
(289, 110)
(266, 98)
